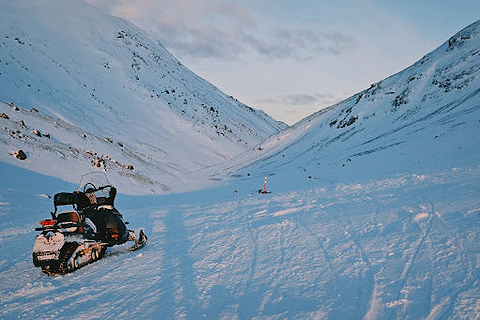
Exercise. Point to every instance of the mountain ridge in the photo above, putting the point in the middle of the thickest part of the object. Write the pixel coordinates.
(100, 73)
(425, 114)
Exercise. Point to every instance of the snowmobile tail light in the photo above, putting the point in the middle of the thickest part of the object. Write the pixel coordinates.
(47, 222)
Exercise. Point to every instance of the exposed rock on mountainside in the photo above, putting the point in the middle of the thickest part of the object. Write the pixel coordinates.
(104, 77)
(424, 116)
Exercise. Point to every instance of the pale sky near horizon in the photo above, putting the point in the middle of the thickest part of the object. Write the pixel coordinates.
(292, 58)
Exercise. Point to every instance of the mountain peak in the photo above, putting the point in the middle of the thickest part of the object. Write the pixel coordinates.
(465, 35)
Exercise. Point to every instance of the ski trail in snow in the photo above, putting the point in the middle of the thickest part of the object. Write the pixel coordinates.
(466, 267)
(410, 263)
(374, 306)
(321, 245)
(367, 289)
(367, 250)
(421, 241)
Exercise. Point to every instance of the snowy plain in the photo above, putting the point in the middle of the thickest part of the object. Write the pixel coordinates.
(373, 210)
(401, 247)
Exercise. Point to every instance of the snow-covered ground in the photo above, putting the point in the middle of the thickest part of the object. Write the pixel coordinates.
(373, 210)
(402, 247)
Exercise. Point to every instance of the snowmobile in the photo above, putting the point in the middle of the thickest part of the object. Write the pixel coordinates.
(81, 235)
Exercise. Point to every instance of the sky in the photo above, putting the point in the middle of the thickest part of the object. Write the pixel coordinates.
(291, 58)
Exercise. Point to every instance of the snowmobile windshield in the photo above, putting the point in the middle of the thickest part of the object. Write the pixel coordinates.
(97, 188)
(93, 180)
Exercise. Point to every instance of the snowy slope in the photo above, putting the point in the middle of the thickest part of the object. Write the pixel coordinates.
(392, 233)
(427, 116)
(100, 76)
(402, 247)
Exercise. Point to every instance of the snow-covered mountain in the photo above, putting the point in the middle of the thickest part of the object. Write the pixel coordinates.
(107, 91)
(374, 210)
(425, 117)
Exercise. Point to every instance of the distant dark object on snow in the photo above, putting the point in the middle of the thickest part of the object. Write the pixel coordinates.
(20, 155)
(4, 116)
(11, 104)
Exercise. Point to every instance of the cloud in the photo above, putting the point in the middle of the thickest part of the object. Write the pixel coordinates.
(301, 99)
(224, 30)
(231, 43)
(303, 44)
(291, 108)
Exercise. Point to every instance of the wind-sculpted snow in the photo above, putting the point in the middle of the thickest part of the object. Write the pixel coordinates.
(401, 247)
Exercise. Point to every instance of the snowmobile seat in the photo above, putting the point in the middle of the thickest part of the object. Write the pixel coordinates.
(70, 220)
(69, 216)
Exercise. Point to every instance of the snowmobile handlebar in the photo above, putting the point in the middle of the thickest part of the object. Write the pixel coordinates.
(98, 200)
(95, 189)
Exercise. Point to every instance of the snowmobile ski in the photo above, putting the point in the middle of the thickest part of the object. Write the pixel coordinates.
(140, 242)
